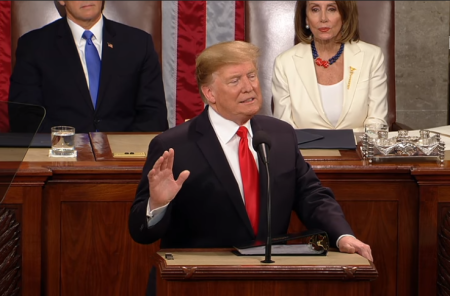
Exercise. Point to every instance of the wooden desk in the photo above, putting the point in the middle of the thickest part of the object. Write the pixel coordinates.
(106, 144)
(378, 202)
(221, 273)
(434, 229)
(87, 250)
(21, 226)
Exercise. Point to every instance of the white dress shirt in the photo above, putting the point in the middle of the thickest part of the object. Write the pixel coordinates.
(226, 133)
(80, 42)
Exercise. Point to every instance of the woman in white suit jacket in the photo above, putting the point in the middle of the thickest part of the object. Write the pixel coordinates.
(330, 80)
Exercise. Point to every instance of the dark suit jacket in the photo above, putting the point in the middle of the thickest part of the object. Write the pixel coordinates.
(48, 72)
(209, 211)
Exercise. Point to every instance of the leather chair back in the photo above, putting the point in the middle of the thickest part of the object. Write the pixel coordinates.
(270, 26)
(30, 15)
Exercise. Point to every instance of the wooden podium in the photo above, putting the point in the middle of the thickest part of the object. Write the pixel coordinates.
(69, 245)
(220, 272)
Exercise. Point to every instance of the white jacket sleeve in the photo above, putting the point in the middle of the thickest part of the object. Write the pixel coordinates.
(378, 100)
(280, 91)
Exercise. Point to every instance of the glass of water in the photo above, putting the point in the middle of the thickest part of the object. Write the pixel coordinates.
(375, 130)
(63, 141)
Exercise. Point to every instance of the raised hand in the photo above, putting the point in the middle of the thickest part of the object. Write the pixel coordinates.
(163, 186)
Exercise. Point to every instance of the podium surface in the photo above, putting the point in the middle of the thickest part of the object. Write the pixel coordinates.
(220, 272)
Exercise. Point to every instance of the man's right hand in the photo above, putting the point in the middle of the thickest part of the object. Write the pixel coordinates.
(163, 186)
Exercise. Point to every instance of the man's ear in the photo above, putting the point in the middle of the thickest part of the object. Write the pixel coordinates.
(60, 6)
(209, 94)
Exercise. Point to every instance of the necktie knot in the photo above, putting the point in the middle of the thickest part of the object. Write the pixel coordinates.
(88, 36)
(242, 132)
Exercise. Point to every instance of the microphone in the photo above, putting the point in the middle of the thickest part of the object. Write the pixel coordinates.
(261, 143)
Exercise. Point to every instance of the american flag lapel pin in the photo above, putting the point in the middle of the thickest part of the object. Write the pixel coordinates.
(110, 45)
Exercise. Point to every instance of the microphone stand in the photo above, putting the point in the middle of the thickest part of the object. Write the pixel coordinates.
(269, 211)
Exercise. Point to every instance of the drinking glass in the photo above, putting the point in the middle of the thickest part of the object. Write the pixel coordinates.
(63, 141)
(375, 130)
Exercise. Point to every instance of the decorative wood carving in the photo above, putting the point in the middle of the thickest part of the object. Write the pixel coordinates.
(443, 279)
(349, 272)
(189, 271)
(10, 263)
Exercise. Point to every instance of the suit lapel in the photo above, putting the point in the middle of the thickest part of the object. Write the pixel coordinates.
(353, 59)
(212, 150)
(304, 64)
(108, 57)
(69, 51)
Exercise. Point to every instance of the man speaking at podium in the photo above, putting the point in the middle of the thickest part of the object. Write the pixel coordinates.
(200, 185)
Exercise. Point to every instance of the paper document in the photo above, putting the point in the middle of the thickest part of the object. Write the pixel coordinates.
(293, 250)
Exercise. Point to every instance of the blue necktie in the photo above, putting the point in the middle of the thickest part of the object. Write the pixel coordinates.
(93, 64)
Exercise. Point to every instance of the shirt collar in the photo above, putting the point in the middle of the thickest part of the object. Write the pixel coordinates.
(225, 129)
(77, 30)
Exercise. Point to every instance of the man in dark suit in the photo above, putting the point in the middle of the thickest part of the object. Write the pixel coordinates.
(53, 70)
(207, 206)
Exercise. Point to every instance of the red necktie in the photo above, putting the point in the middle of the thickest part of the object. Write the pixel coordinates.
(250, 178)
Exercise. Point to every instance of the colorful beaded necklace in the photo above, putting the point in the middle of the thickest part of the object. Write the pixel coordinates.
(325, 64)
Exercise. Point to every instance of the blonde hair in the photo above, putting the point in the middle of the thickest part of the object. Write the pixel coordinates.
(349, 14)
(219, 55)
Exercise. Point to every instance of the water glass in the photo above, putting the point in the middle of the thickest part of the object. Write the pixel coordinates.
(375, 130)
(63, 141)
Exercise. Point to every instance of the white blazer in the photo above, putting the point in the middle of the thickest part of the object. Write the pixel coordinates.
(296, 95)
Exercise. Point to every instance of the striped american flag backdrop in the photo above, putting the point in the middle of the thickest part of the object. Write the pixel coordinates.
(188, 27)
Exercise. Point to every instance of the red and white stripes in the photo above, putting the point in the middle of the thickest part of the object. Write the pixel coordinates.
(188, 28)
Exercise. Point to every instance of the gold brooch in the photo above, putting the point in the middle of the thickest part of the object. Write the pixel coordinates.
(350, 78)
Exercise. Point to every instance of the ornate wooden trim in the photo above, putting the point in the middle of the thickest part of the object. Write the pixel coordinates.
(262, 272)
(10, 263)
(349, 271)
(443, 277)
(189, 271)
